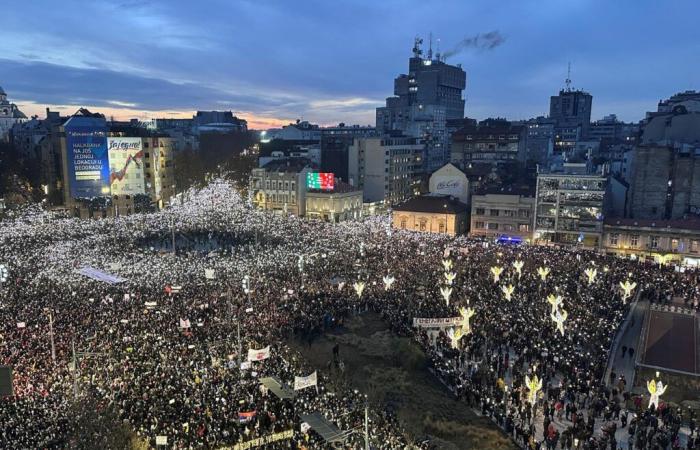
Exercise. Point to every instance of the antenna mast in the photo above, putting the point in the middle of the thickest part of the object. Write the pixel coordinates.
(430, 48)
(568, 79)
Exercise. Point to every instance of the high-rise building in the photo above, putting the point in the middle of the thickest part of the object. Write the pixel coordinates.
(423, 101)
(492, 140)
(386, 169)
(335, 146)
(571, 111)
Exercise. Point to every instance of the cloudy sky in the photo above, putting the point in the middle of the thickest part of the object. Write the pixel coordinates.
(332, 60)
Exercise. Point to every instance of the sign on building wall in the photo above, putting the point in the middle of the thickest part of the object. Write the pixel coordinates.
(88, 165)
(126, 166)
(446, 185)
(320, 180)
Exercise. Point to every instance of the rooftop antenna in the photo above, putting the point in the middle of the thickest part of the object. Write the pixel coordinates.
(568, 79)
(416, 47)
(430, 48)
(438, 50)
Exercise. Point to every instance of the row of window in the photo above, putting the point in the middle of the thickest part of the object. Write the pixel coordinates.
(503, 212)
(422, 225)
(653, 242)
(274, 184)
(522, 228)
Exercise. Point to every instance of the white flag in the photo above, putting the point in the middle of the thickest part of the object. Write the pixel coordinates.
(305, 382)
(21, 325)
(184, 323)
(259, 355)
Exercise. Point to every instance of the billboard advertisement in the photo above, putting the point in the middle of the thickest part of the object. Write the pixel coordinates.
(320, 180)
(86, 151)
(126, 170)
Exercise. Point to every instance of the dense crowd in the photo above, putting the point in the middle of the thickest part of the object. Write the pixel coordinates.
(122, 347)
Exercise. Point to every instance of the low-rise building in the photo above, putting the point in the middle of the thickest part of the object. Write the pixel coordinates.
(280, 185)
(504, 213)
(449, 180)
(493, 140)
(661, 241)
(431, 214)
(343, 202)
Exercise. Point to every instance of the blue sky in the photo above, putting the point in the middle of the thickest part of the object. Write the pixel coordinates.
(330, 61)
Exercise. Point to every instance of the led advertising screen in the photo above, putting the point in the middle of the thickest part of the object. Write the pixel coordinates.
(320, 180)
(88, 165)
(126, 170)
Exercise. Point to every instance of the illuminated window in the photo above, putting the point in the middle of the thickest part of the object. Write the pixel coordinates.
(653, 241)
(634, 240)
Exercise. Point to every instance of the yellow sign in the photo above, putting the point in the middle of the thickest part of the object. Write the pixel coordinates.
(263, 440)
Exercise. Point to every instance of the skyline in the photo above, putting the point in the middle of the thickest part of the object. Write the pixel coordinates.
(275, 62)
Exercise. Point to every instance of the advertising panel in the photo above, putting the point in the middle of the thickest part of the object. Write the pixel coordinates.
(126, 171)
(86, 150)
(447, 185)
(320, 180)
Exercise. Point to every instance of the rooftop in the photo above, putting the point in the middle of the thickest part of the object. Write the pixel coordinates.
(440, 204)
(295, 165)
(682, 224)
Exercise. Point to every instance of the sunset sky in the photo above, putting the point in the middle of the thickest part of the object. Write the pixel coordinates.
(272, 62)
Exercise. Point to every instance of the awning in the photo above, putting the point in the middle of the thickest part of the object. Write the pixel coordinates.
(329, 432)
(277, 387)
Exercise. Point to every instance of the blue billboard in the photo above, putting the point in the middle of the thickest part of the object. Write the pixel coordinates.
(88, 162)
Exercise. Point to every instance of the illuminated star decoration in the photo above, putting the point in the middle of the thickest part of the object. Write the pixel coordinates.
(388, 281)
(591, 274)
(559, 316)
(449, 277)
(627, 288)
(455, 334)
(446, 292)
(496, 271)
(447, 264)
(555, 301)
(518, 267)
(466, 314)
(543, 272)
(508, 291)
(534, 385)
(359, 287)
(656, 390)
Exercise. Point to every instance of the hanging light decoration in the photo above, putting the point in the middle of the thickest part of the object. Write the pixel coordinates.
(455, 334)
(555, 301)
(466, 314)
(518, 267)
(388, 281)
(359, 288)
(446, 292)
(508, 291)
(534, 385)
(591, 274)
(559, 316)
(496, 271)
(543, 272)
(627, 288)
(656, 390)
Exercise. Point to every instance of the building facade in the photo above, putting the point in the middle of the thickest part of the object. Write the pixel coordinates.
(503, 213)
(280, 186)
(431, 214)
(341, 204)
(660, 241)
(9, 116)
(386, 169)
(493, 141)
(449, 180)
(569, 209)
(424, 100)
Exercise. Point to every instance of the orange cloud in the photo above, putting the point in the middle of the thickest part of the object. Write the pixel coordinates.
(255, 122)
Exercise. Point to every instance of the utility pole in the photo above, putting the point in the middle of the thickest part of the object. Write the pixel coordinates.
(366, 424)
(75, 371)
(53, 345)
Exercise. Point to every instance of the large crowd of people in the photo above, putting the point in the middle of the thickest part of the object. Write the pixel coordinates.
(160, 350)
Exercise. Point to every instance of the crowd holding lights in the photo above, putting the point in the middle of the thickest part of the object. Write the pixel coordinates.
(508, 359)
